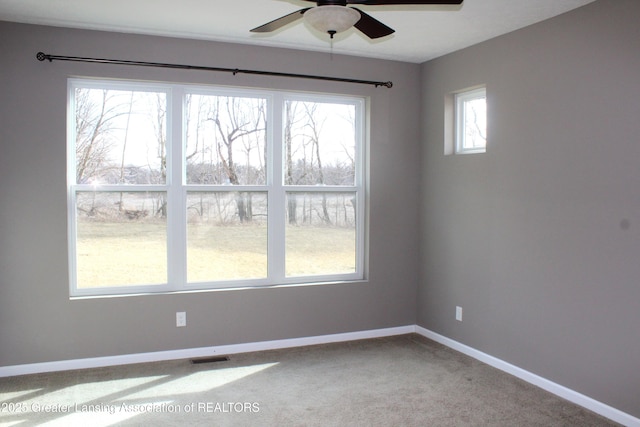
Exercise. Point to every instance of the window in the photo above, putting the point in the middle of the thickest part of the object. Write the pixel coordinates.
(470, 121)
(176, 187)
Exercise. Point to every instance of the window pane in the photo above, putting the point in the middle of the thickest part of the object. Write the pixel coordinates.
(475, 124)
(320, 234)
(319, 141)
(226, 236)
(121, 239)
(226, 140)
(120, 137)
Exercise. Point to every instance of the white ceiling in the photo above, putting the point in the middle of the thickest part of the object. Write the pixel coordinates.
(422, 32)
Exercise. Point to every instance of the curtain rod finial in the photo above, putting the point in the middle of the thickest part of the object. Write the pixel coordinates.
(42, 56)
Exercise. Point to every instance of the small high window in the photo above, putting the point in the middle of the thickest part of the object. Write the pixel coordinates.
(471, 121)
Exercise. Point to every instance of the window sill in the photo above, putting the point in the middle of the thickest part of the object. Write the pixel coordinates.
(207, 290)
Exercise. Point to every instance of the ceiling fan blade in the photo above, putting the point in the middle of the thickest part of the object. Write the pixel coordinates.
(371, 27)
(280, 22)
(403, 2)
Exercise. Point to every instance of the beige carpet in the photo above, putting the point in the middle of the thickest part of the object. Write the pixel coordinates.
(398, 381)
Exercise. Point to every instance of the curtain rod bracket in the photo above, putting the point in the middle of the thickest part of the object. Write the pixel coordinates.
(41, 56)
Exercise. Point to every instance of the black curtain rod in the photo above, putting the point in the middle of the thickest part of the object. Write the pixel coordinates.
(43, 56)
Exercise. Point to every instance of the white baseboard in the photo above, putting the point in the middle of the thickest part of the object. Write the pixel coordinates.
(557, 389)
(97, 362)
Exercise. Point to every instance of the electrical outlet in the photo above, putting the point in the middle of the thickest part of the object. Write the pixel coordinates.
(181, 319)
(459, 314)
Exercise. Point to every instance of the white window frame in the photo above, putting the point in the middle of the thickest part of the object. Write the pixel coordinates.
(176, 189)
(460, 99)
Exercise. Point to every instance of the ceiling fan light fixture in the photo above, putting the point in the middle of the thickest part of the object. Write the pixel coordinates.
(332, 19)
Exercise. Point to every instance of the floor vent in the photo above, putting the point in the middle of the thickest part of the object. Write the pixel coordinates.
(211, 359)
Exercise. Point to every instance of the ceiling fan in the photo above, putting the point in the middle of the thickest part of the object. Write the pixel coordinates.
(334, 16)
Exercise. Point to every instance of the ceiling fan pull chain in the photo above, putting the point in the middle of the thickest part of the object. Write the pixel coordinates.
(331, 33)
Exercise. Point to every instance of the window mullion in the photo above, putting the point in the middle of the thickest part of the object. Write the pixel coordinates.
(176, 213)
(72, 236)
(277, 196)
(361, 178)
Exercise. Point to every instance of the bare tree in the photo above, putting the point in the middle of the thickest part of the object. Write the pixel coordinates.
(159, 122)
(198, 169)
(235, 119)
(314, 124)
(478, 131)
(124, 149)
(95, 116)
(290, 121)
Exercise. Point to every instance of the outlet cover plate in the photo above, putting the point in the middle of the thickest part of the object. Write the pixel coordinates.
(181, 319)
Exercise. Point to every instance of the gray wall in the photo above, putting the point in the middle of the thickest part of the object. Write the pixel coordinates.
(539, 239)
(38, 321)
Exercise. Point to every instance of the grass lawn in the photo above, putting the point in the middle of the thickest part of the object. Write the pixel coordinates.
(134, 253)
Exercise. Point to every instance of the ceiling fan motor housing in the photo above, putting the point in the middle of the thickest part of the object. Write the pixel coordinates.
(332, 19)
